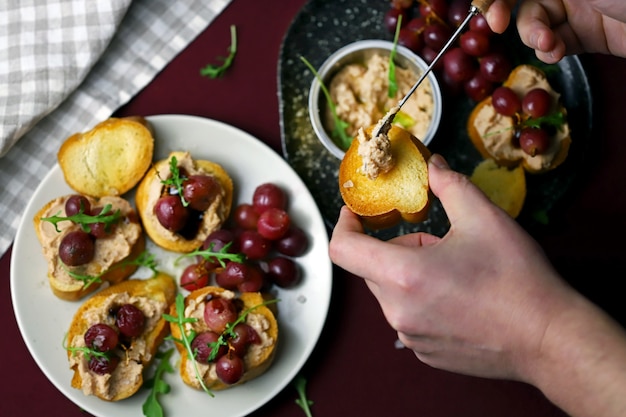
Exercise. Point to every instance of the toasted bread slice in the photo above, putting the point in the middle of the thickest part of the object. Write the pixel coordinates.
(401, 193)
(505, 186)
(109, 159)
(151, 188)
(153, 297)
(258, 358)
(493, 134)
(112, 253)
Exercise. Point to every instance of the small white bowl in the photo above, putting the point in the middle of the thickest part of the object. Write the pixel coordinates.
(359, 52)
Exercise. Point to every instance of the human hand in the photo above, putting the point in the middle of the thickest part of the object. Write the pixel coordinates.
(477, 300)
(555, 28)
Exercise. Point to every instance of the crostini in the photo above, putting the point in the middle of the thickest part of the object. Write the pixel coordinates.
(398, 192)
(232, 338)
(182, 200)
(114, 336)
(88, 243)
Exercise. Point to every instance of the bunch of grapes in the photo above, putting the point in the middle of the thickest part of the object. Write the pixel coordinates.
(533, 138)
(101, 339)
(474, 65)
(261, 230)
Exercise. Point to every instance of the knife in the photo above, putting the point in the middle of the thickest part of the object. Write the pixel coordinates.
(383, 126)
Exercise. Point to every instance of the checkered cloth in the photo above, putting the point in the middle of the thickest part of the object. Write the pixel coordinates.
(68, 64)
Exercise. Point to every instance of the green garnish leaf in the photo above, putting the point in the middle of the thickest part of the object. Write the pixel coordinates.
(393, 84)
(210, 255)
(339, 131)
(215, 71)
(152, 407)
(556, 119)
(87, 351)
(300, 384)
(404, 120)
(540, 216)
(186, 338)
(176, 180)
(106, 216)
(144, 259)
(229, 331)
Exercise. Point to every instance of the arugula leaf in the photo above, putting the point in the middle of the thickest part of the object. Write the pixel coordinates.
(144, 259)
(229, 331)
(151, 407)
(84, 220)
(87, 351)
(208, 254)
(185, 338)
(215, 71)
(176, 180)
(393, 84)
(300, 384)
(339, 131)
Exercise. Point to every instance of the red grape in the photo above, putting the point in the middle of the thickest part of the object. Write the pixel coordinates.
(505, 101)
(273, 223)
(200, 191)
(245, 216)
(283, 272)
(536, 102)
(294, 243)
(534, 141)
(436, 35)
(268, 195)
(477, 87)
(495, 67)
(77, 248)
(171, 213)
(229, 368)
(194, 276)
(458, 65)
(218, 312)
(101, 337)
(202, 350)
(130, 320)
(474, 43)
(77, 204)
(253, 244)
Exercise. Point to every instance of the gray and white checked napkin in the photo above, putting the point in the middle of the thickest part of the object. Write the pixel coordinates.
(68, 64)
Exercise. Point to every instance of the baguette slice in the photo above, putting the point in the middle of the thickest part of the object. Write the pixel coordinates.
(151, 188)
(402, 193)
(153, 297)
(109, 159)
(505, 186)
(112, 253)
(259, 356)
(493, 134)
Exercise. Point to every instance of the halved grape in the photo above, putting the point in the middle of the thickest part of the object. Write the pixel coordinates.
(537, 102)
(505, 101)
(77, 248)
(229, 368)
(101, 337)
(130, 320)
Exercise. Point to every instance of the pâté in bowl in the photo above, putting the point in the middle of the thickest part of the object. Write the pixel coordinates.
(357, 80)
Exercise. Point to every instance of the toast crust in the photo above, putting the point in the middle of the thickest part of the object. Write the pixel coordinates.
(150, 189)
(492, 134)
(153, 296)
(505, 186)
(402, 193)
(109, 159)
(112, 253)
(258, 358)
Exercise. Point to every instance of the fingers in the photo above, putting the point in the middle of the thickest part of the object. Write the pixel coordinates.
(498, 15)
(539, 25)
(461, 199)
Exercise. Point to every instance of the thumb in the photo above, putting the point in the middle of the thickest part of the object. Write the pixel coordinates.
(458, 195)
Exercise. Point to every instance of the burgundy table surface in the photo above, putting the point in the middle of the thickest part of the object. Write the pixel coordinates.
(355, 368)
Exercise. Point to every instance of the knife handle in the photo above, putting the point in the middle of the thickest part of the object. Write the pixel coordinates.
(482, 5)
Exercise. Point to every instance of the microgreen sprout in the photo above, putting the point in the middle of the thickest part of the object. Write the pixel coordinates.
(393, 84)
(87, 351)
(339, 131)
(209, 254)
(186, 338)
(176, 180)
(556, 119)
(300, 385)
(144, 259)
(106, 216)
(151, 407)
(229, 331)
(215, 71)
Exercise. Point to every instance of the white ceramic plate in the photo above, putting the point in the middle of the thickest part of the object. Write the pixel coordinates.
(44, 319)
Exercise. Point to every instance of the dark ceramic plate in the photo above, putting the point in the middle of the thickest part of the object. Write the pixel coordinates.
(321, 27)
